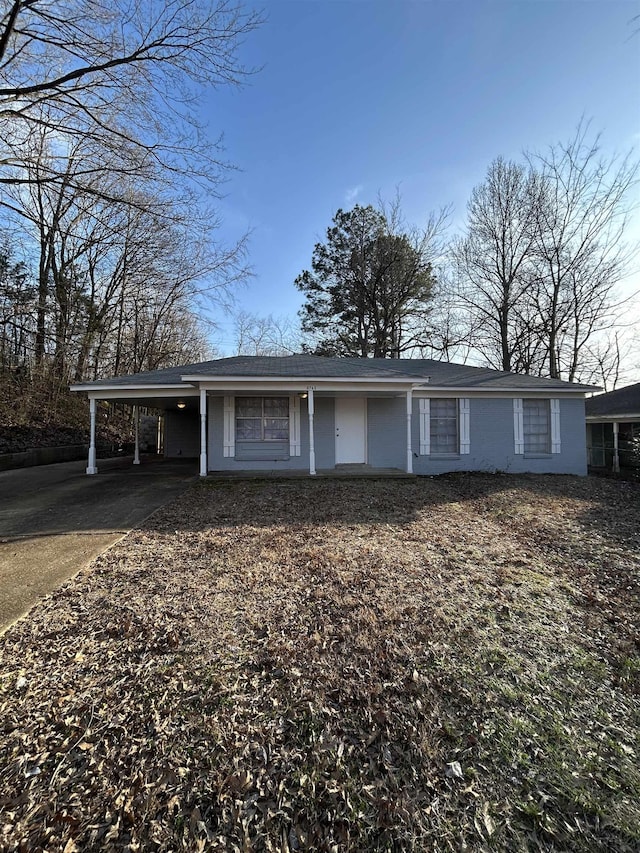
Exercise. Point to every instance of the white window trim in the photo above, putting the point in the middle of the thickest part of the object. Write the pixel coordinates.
(556, 446)
(425, 426)
(229, 427)
(294, 425)
(464, 426)
(518, 425)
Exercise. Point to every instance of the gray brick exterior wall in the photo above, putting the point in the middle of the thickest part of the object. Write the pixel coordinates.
(492, 442)
(387, 432)
(491, 439)
(181, 434)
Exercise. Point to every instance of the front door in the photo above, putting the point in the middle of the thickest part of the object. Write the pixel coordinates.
(351, 430)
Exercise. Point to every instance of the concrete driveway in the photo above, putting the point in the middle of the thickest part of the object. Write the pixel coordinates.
(54, 520)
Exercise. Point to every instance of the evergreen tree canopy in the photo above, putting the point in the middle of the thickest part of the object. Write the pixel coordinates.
(368, 292)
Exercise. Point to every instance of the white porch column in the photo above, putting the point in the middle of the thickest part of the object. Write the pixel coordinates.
(91, 463)
(136, 418)
(203, 432)
(616, 455)
(312, 448)
(409, 449)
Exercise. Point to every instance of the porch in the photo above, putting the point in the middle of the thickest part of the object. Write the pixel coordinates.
(268, 431)
(346, 472)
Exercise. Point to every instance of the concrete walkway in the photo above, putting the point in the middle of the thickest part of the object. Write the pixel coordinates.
(54, 520)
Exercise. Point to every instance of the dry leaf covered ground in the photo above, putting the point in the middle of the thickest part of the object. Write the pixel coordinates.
(438, 664)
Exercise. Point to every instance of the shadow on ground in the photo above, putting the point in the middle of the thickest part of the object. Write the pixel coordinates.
(610, 508)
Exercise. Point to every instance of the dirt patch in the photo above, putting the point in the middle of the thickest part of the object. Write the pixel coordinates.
(447, 663)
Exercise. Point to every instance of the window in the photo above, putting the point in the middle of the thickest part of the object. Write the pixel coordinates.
(443, 426)
(536, 426)
(261, 427)
(262, 418)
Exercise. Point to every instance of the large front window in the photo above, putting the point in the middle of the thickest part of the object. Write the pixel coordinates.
(444, 426)
(536, 426)
(262, 418)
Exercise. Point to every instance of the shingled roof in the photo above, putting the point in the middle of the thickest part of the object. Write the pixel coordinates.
(623, 401)
(439, 374)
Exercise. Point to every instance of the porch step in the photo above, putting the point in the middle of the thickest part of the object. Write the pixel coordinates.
(362, 470)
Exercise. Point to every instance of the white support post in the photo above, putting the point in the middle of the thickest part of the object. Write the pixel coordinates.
(312, 449)
(203, 432)
(136, 418)
(616, 454)
(91, 464)
(409, 450)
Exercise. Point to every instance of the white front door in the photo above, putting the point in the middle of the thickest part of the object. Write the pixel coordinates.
(351, 430)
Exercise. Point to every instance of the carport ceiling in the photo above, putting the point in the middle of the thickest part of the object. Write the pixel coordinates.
(162, 403)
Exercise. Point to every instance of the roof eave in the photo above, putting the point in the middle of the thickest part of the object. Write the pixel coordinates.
(129, 386)
(626, 416)
(516, 389)
(189, 382)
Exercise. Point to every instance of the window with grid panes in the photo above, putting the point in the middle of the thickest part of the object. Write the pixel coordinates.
(262, 418)
(444, 426)
(536, 425)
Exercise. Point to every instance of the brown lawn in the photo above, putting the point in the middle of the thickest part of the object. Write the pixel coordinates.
(439, 664)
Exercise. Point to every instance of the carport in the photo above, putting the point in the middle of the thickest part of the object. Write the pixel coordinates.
(182, 405)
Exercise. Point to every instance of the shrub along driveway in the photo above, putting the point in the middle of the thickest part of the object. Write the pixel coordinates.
(439, 664)
(54, 520)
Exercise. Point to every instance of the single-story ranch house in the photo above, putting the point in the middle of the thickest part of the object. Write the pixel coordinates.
(613, 429)
(315, 414)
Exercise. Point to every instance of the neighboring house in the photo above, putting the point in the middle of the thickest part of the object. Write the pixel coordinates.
(310, 413)
(613, 429)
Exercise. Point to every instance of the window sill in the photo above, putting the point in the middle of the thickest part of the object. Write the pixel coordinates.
(537, 455)
(442, 456)
(266, 441)
(261, 459)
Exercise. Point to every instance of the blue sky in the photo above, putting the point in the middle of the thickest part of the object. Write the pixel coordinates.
(358, 97)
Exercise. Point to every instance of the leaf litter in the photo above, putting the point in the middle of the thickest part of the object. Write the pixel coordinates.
(385, 665)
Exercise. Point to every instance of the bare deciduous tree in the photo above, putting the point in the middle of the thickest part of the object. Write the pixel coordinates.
(255, 335)
(123, 72)
(580, 250)
(114, 277)
(17, 298)
(493, 260)
(544, 250)
(102, 164)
